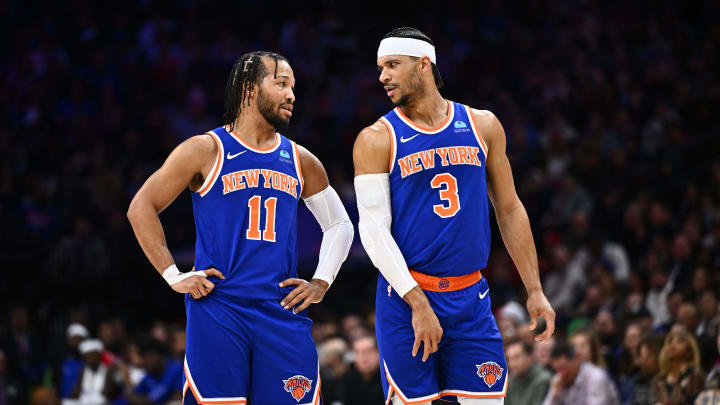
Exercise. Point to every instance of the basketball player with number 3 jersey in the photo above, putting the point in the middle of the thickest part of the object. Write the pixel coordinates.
(424, 173)
(248, 335)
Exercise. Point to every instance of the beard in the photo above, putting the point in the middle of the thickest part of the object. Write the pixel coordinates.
(414, 90)
(271, 112)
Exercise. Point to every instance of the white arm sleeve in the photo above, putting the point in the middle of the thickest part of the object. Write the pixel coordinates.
(373, 198)
(337, 230)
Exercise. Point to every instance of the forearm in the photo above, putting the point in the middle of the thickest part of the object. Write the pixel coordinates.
(374, 208)
(334, 249)
(337, 229)
(516, 234)
(149, 232)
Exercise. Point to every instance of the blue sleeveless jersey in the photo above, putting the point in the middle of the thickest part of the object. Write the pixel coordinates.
(246, 217)
(439, 193)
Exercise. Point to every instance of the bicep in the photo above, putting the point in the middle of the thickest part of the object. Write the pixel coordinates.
(371, 152)
(313, 173)
(501, 186)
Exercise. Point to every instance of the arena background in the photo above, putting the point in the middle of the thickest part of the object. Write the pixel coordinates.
(610, 107)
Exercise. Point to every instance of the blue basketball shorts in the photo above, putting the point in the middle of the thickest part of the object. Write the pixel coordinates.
(470, 361)
(241, 351)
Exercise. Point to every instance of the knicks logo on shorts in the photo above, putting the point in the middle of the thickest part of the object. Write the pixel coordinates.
(490, 372)
(298, 386)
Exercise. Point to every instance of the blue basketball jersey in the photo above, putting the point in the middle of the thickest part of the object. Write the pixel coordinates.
(439, 193)
(246, 216)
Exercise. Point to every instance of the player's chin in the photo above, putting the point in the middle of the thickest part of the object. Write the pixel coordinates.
(282, 122)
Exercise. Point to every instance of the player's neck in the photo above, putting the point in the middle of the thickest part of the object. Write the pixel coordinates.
(428, 111)
(254, 130)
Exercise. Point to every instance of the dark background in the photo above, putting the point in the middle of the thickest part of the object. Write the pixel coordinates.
(610, 108)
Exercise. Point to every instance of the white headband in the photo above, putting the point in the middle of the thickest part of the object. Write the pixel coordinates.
(406, 46)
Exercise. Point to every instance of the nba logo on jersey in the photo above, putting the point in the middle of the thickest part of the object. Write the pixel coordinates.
(298, 386)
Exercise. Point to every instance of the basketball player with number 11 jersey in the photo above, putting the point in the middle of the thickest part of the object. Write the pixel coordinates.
(248, 335)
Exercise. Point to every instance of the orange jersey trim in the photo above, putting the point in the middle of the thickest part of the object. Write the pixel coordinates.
(444, 123)
(299, 167)
(391, 134)
(252, 148)
(443, 284)
(216, 169)
(477, 133)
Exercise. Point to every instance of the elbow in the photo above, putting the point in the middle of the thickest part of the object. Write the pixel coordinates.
(507, 210)
(133, 210)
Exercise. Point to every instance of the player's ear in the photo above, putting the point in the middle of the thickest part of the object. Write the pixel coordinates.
(250, 88)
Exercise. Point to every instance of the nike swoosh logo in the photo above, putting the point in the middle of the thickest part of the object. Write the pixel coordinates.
(482, 295)
(229, 156)
(403, 139)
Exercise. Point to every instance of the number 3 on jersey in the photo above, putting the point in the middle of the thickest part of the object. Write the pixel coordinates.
(449, 195)
(253, 231)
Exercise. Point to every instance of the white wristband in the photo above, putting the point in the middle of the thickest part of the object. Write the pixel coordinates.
(172, 275)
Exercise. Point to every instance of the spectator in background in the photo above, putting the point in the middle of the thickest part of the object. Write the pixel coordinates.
(95, 384)
(73, 364)
(577, 381)
(587, 347)
(708, 328)
(625, 360)
(542, 352)
(333, 369)
(613, 259)
(656, 301)
(710, 394)
(22, 352)
(529, 381)
(365, 387)
(680, 379)
(164, 378)
(648, 354)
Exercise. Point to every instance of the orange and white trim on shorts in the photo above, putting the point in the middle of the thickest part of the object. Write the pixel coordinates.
(469, 394)
(478, 136)
(457, 393)
(217, 166)
(407, 401)
(393, 142)
(316, 395)
(190, 383)
(424, 130)
(252, 148)
(298, 169)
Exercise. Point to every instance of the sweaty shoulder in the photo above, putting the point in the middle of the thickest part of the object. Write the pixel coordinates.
(488, 126)
(197, 154)
(371, 153)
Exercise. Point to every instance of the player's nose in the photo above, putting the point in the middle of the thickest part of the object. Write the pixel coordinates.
(291, 96)
(384, 77)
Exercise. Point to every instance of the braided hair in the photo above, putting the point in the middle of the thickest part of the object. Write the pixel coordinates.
(414, 33)
(248, 71)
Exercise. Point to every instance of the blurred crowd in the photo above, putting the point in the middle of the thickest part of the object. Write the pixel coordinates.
(610, 110)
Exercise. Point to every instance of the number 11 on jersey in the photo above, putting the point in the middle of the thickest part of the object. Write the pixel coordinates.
(253, 231)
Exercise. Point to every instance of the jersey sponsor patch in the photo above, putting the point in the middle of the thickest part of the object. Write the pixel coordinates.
(298, 386)
(490, 372)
